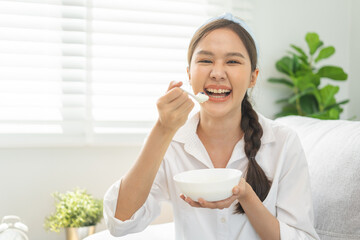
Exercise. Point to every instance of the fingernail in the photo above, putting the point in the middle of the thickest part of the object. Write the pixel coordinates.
(236, 191)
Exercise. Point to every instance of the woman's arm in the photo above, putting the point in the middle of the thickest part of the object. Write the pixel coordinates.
(174, 108)
(264, 223)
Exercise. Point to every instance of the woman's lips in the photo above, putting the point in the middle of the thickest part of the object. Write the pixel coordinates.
(219, 98)
(218, 93)
(213, 86)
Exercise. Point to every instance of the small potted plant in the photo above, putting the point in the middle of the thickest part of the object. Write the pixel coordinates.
(77, 211)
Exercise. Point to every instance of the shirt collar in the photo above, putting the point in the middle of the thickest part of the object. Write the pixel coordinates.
(188, 131)
(192, 144)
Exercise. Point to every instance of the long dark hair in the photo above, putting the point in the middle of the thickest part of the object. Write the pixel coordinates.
(253, 131)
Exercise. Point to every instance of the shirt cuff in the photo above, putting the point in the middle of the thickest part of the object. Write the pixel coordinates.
(138, 221)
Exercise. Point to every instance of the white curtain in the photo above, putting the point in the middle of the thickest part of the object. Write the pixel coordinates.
(76, 72)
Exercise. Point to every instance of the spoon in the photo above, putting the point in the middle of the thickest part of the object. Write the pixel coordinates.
(200, 97)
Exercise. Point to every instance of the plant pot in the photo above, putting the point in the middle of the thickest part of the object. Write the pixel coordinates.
(79, 233)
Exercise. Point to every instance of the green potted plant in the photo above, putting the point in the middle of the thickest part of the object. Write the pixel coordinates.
(303, 76)
(77, 211)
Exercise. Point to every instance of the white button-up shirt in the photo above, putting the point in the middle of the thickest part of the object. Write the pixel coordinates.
(280, 156)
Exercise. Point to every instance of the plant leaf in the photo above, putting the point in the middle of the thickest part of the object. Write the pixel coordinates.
(315, 79)
(309, 104)
(337, 104)
(305, 67)
(327, 94)
(325, 53)
(284, 65)
(74, 209)
(303, 60)
(287, 110)
(296, 64)
(319, 115)
(313, 42)
(303, 93)
(333, 113)
(283, 100)
(299, 50)
(308, 80)
(316, 94)
(282, 81)
(332, 72)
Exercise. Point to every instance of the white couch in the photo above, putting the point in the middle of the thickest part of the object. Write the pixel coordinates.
(332, 148)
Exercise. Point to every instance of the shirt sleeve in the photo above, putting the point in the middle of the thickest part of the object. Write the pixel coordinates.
(144, 215)
(294, 204)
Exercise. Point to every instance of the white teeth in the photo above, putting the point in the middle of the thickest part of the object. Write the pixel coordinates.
(218, 90)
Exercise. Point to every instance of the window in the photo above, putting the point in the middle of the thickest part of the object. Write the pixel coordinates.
(77, 72)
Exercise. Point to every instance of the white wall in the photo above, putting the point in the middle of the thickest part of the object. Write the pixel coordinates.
(354, 49)
(29, 176)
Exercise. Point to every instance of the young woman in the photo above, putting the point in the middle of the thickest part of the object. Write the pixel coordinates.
(272, 201)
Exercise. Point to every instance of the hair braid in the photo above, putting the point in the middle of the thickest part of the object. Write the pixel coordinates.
(253, 132)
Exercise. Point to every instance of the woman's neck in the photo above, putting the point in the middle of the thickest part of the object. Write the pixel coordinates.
(222, 130)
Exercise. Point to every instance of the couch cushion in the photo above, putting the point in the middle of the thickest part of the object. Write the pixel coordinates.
(332, 148)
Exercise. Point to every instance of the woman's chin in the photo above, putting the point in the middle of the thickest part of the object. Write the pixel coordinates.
(215, 111)
(220, 109)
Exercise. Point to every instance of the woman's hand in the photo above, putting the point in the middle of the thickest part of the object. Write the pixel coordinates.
(239, 192)
(174, 107)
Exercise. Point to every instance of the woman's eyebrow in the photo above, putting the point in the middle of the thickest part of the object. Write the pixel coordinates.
(230, 54)
(237, 54)
(204, 52)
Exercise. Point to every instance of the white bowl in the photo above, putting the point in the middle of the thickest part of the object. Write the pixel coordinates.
(213, 184)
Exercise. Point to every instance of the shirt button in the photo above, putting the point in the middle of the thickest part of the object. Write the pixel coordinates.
(223, 220)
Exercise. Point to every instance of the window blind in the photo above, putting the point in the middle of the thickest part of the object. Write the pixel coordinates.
(76, 72)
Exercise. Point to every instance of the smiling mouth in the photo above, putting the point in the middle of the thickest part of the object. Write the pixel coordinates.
(217, 93)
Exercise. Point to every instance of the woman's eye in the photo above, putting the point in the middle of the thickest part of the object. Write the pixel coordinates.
(204, 61)
(234, 61)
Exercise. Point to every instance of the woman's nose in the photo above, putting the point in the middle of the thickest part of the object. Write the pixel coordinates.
(218, 73)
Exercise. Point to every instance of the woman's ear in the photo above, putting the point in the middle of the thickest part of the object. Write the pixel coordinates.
(188, 73)
(253, 79)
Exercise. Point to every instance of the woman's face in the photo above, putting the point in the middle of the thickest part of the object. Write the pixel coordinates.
(221, 68)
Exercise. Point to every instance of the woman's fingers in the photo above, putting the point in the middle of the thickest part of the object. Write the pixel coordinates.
(218, 204)
(238, 192)
(213, 205)
(172, 95)
(240, 189)
(179, 101)
(174, 84)
(190, 201)
(173, 98)
(174, 107)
